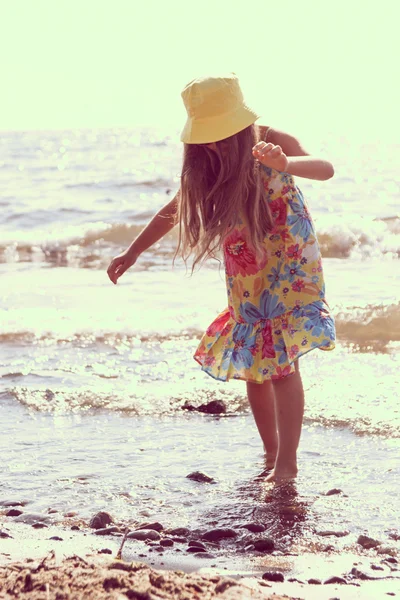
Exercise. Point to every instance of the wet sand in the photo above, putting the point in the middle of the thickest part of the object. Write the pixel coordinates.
(79, 564)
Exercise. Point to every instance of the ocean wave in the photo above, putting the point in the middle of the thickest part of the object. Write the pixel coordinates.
(109, 184)
(370, 239)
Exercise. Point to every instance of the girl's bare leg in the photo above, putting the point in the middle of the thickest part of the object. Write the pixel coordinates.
(262, 401)
(289, 406)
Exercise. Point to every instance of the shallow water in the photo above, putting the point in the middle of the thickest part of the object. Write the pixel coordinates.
(93, 376)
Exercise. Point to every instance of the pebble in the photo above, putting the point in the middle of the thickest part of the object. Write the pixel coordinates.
(200, 477)
(156, 526)
(334, 491)
(214, 535)
(391, 559)
(179, 531)
(75, 528)
(106, 530)
(264, 545)
(204, 555)
(4, 534)
(144, 534)
(166, 542)
(313, 581)
(100, 520)
(360, 574)
(377, 568)
(14, 512)
(105, 551)
(56, 538)
(70, 514)
(39, 525)
(386, 550)
(9, 503)
(367, 542)
(195, 549)
(31, 518)
(215, 407)
(394, 536)
(335, 579)
(197, 544)
(179, 540)
(254, 527)
(273, 576)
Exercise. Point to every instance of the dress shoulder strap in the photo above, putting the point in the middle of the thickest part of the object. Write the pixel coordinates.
(264, 132)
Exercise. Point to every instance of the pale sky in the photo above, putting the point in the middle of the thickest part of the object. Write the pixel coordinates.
(100, 63)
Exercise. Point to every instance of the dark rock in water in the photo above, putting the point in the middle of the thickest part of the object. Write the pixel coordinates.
(188, 406)
(377, 568)
(56, 538)
(144, 534)
(273, 576)
(391, 559)
(214, 535)
(313, 581)
(159, 548)
(167, 542)
(335, 579)
(179, 540)
(264, 545)
(100, 520)
(106, 530)
(394, 536)
(9, 503)
(14, 512)
(4, 534)
(75, 528)
(195, 549)
(254, 527)
(200, 477)
(39, 525)
(70, 514)
(367, 542)
(105, 551)
(215, 407)
(197, 544)
(204, 555)
(52, 511)
(156, 526)
(333, 492)
(179, 531)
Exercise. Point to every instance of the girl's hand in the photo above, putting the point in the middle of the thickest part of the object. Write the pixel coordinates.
(271, 156)
(120, 264)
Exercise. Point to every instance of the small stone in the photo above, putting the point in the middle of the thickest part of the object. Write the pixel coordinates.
(144, 534)
(394, 535)
(214, 535)
(179, 540)
(264, 545)
(273, 576)
(215, 407)
(367, 542)
(4, 534)
(105, 551)
(387, 550)
(200, 477)
(156, 526)
(195, 549)
(52, 511)
(377, 568)
(360, 574)
(70, 514)
(100, 520)
(56, 538)
(204, 555)
(334, 491)
(335, 579)
(179, 531)
(313, 581)
(39, 525)
(166, 542)
(31, 518)
(9, 503)
(106, 530)
(196, 544)
(14, 512)
(254, 527)
(75, 528)
(392, 560)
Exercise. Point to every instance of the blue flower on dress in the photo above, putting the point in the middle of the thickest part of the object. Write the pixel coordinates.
(292, 271)
(300, 221)
(275, 277)
(318, 321)
(281, 347)
(270, 307)
(244, 344)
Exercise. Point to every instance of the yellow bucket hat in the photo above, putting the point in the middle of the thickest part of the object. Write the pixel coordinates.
(216, 109)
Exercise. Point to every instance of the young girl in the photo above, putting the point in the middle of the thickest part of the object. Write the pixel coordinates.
(237, 194)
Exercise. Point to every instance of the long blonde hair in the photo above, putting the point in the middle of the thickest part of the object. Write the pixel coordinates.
(218, 189)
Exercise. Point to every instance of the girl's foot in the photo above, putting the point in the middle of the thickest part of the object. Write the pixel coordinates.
(283, 473)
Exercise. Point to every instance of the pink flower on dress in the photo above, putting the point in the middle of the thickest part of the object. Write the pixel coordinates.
(279, 211)
(240, 259)
(293, 351)
(294, 252)
(209, 361)
(268, 350)
(281, 373)
(218, 325)
(298, 285)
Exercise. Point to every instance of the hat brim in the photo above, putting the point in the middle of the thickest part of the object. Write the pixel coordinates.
(215, 129)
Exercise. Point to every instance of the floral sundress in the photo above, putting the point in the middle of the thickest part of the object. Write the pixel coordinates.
(277, 309)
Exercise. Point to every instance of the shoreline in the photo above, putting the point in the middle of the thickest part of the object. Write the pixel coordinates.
(27, 547)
